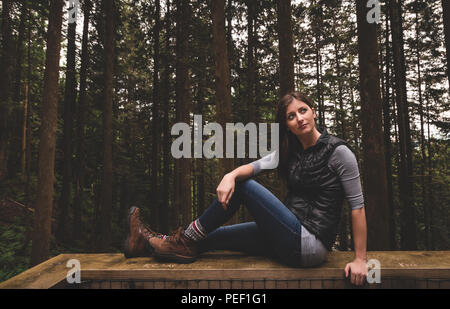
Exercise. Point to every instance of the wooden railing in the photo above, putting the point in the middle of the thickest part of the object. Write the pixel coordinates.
(230, 270)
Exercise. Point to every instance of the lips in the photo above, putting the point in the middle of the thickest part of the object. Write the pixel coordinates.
(303, 126)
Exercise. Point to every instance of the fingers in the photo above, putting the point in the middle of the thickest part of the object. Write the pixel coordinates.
(229, 196)
(222, 197)
(221, 200)
(226, 200)
(353, 278)
(356, 277)
(360, 279)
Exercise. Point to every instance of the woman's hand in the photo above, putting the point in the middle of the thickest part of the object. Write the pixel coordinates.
(358, 271)
(226, 189)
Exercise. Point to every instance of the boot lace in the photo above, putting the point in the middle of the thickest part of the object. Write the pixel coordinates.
(147, 231)
(176, 235)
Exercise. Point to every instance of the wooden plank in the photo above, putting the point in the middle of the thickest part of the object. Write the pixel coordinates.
(116, 285)
(203, 284)
(305, 284)
(160, 284)
(138, 284)
(397, 284)
(148, 285)
(328, 284)
(170, 284)
(236, 284)
(444, 284)
(105, 284)
(281, 284)
(410, 284)
(85, 285)
(386, 283)
(225, 284)
(433, 284)
(258, 284)
(214, 284)
(392, 266)
(410, 265)
(373, 286)
(42, 276)
(247, 284)
(270, 284)
(192, 284)
(341, 284)
(421, 284)
(293, 284)
(181, 284)
(316, 284)
(95, 285)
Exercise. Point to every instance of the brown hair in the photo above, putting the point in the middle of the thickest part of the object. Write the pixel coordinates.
(286, 138)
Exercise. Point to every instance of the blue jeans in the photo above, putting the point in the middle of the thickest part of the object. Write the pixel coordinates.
(276, 231)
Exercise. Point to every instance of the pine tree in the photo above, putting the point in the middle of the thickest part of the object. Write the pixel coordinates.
(47, 135)
(374, 178)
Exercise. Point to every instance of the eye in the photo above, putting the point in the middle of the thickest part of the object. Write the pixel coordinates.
(302, 110)
(290, 116)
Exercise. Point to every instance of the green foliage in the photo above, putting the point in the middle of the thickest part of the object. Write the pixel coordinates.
(14, 258)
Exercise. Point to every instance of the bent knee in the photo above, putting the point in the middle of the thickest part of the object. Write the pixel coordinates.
(246, 185)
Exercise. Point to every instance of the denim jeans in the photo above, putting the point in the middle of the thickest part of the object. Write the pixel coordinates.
(276, 231)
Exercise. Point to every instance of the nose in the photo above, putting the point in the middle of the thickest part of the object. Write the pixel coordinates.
(299, 117)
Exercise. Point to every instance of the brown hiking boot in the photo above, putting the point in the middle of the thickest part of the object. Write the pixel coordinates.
(137, 242)
(177, 248)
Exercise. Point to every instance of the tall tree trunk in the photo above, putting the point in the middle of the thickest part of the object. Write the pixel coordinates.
(47, 136)
(164, 214)
(5, 86)
(106, 191)
(286, 46)
(81, 123)
(422, 137)
(396, 165)
(340, 117)
(27, 165)
(200, 166)
(316, 28)
(230, 46)
(155, 200)
(26, 140)
(408, 231)
(222, 76)
(251, 105)
(374, 177)
(434, 234)
(183, 196)
(69, 108)
(387, 137)
(24, 129)
(446, 18)
(14, 157)
(341, 112)
(355, 119)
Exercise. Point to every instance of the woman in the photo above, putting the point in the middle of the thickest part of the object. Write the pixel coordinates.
(320, 171)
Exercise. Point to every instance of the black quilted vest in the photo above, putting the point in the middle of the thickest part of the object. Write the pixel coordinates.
(315, 193)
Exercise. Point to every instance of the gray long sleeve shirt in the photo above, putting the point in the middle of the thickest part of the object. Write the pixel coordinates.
(344, 163)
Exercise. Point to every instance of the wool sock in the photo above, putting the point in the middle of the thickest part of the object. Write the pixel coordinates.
(195, 231)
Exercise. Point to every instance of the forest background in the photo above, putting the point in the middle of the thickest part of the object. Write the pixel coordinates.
(87, 103)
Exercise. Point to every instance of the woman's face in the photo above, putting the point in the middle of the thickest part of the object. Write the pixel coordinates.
(300, 118)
